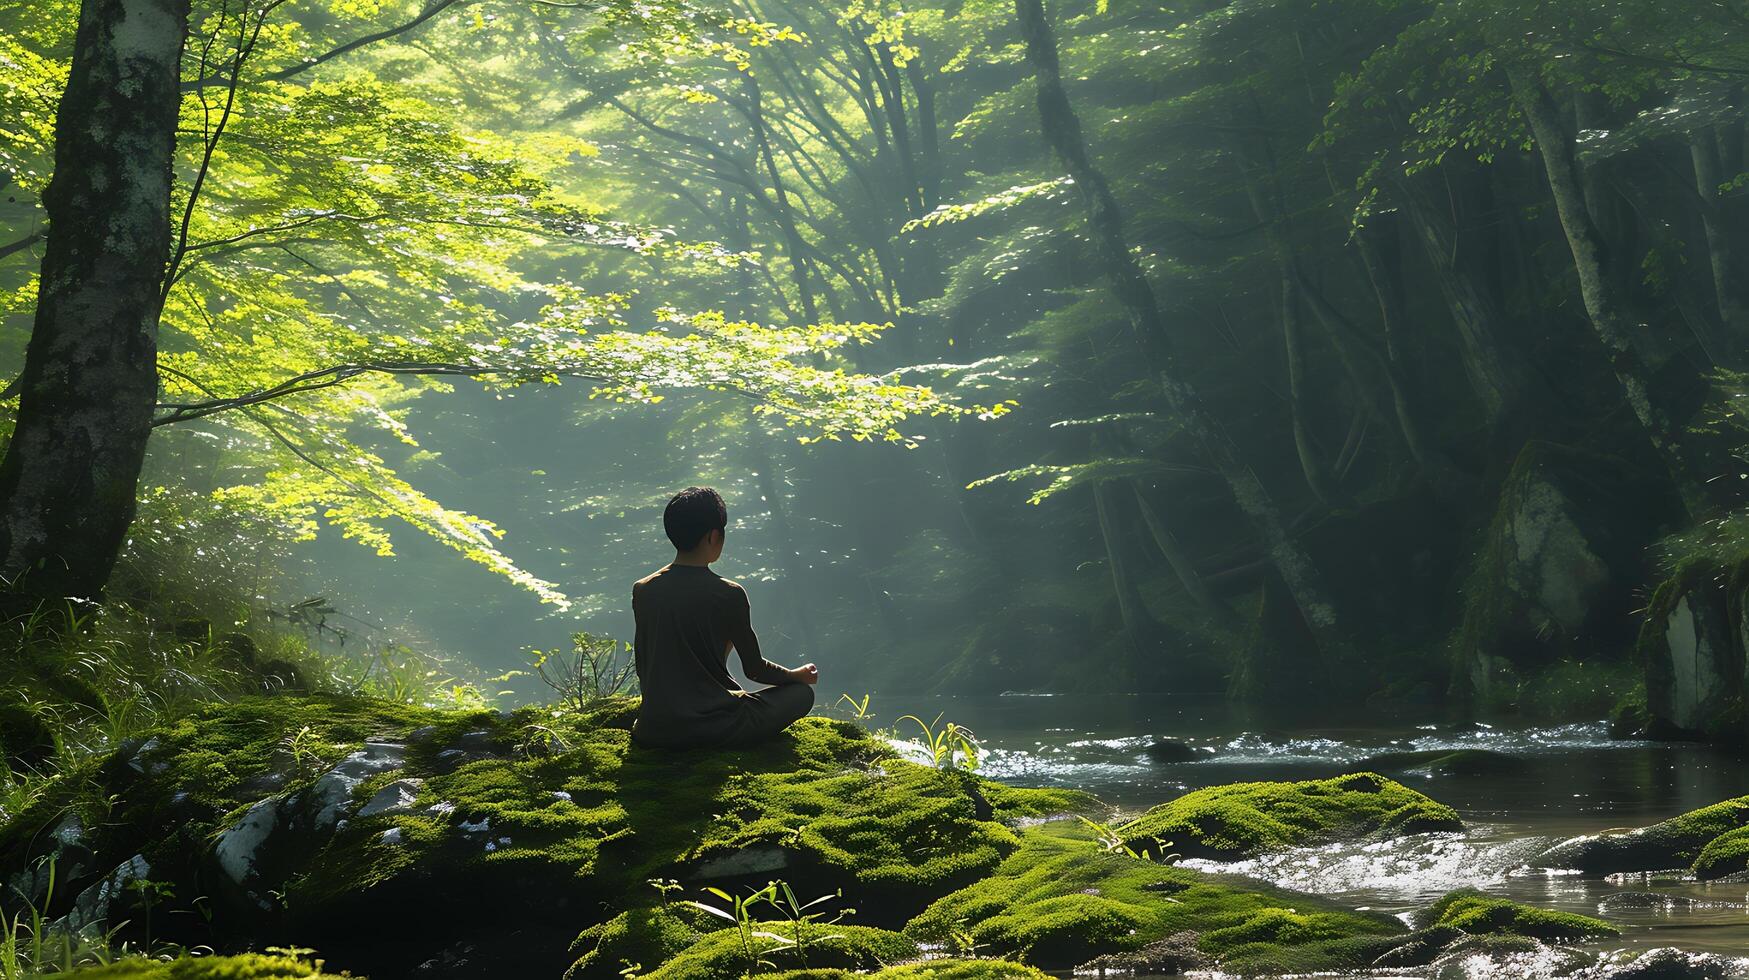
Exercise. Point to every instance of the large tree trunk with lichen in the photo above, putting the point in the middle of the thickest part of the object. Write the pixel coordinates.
(90, 378)
(1062, 130)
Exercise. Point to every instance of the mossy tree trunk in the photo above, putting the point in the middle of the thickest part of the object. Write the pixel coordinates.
(90, 381)
(1062, 131)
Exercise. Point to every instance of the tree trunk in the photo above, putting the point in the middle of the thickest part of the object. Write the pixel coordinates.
(1182, 564)
(1129, 600)
(1727, 270)
(1604, 305)
(1478, 318)
(90, 378)
(1311, 466)
(1062, 130)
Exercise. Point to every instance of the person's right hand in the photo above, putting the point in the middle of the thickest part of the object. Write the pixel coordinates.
(806, 674)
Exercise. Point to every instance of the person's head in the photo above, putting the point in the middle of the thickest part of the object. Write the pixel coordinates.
(695, 519)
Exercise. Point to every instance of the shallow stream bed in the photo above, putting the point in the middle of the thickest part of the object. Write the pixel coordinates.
(1563, 782)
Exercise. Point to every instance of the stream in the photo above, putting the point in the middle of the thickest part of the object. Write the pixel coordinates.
(1573, 780)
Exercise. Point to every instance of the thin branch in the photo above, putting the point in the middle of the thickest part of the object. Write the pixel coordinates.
(329, 377)
(22, 244)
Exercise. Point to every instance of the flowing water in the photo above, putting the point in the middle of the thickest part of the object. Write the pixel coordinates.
(1571, 780)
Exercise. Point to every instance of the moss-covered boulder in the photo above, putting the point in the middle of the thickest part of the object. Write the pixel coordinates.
(1062, 900)
(1692, 646)
(296, 819)
(671, 942)
(249, 966)
(1245, 819)
(1555, 575)
(1481, 915)
(731, 954)
(1711, 841)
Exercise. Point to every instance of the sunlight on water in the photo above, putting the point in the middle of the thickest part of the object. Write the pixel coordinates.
(1415, 869)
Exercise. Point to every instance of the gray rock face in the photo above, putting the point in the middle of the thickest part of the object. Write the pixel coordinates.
(1694, 655)
(68, 858)
(332, 791)
(253, 851)
(1555, 567)
(397, 797)
(93, 905)
(1556, 575)
(238, 846)
(755, 860)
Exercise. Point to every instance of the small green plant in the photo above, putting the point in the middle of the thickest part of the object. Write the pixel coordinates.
(151, 893)
(31, 945)
(307, 750)
(595, 668)
(664, 888)
(540, 740)
(858, 709)
(951, 746)
(802, 920)
(962, 942)
(740, 915)
(1112, 842)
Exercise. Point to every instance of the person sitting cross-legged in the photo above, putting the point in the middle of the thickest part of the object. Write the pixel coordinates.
(688, 618)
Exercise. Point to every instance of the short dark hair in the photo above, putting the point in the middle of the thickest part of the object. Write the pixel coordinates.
(692, 514)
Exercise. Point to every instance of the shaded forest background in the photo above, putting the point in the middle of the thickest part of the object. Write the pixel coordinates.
(1379, 349)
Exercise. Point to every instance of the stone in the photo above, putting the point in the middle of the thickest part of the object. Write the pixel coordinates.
(397, 797)
(1556, 574)
(1693, 655)
(1666, 963)
(333, 789)
(755, 860)
(238, 846)
(92, 907)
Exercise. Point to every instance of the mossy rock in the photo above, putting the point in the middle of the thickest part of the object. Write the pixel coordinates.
(1679, 842)
(1482, 915)
(1726, 854)
(249, 966)
(1245, 819)
(1555, 574)
(1062, 900)
(1691, 648)
(724, 955)
(560, 819)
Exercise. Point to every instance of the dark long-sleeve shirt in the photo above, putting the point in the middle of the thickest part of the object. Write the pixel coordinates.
(688, 618)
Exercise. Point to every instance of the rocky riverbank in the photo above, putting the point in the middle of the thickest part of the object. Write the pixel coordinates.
(404, 842)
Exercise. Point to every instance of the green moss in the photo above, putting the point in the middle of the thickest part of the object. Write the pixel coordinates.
(1061, 900)
(640, 938)
(1480, 915)
(1245, 819)
(720, 955)
(246, 967)
(1674, 843)
(1725, 854)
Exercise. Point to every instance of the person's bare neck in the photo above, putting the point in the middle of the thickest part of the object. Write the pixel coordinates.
(694, 559)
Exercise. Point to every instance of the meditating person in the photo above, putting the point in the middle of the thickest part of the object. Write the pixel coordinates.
(688, 617)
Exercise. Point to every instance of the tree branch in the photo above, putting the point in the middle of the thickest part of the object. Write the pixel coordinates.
(329, 377)
(22, 244)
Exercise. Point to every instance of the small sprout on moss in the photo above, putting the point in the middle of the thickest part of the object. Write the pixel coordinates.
(858, 708)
